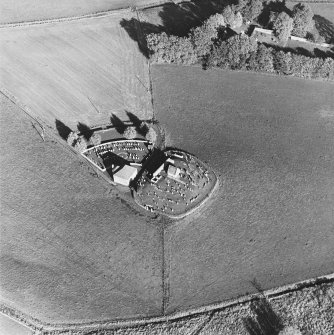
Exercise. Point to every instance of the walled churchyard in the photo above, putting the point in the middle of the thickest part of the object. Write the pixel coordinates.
(174, 183)
(170, 182)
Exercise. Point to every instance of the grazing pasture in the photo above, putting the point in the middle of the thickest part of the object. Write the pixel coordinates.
(70, 250)
(78, 71)
(271, 141)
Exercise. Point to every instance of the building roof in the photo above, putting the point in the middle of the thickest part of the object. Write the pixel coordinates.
(125, 174)
(173, 171)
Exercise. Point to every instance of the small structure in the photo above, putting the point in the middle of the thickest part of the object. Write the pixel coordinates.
(125, 175)
(173, 172)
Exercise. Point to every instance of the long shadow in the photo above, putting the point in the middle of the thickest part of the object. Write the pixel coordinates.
(175, 20)
(136, 123)
(86, 131)
(62, 129)
(325, 28)
(272, 6)
(266, 321)
(118, 123)
(138, 31)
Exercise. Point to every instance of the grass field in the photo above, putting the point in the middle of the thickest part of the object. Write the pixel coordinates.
(271, 140)
(32, 10)
(11, 327)
(70, 250)
(79, 71)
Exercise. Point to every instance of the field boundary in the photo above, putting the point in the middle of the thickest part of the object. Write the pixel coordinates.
(38, 325)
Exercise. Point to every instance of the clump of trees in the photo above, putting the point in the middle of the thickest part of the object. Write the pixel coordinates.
(250, 9)
(302, 15)
(232, 19)
(282, 27)
(243, 52)
(171, 49)
(151, 135)
(185, 50)
(79, 143)
(95, 139)
(233, 53)
(130, 133)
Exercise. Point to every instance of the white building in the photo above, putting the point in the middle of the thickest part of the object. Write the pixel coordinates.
(125, 175)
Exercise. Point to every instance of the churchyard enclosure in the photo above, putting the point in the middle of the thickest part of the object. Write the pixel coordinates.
(177, 185)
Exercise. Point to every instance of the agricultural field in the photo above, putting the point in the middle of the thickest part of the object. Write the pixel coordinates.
(11, 327)
(33, 10)
(77, 71)
(70, 250)
(271, 141)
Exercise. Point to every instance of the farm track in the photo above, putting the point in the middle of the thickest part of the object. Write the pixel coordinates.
(37, 325)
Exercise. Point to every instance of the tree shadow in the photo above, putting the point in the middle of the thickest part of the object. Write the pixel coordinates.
(138, 30)
(323, 54)
(175, 20)
(85, 130)
(266, 321)
(136, 123)
(117, 123)
(62, 129)
(325, 28)
(272, 6)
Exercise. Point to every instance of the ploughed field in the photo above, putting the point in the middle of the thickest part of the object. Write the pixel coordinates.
(34, 10)
(77, 71)
(271, 141)
(70, 250)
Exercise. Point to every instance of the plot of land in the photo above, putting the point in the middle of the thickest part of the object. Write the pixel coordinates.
(69, 249)
(32, 10)
(271, 140)
(79, 71)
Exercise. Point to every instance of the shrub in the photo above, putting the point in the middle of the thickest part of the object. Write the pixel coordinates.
(72, 138)
(130, 133)
(282, 26)
(95, 139)
(151, 135)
